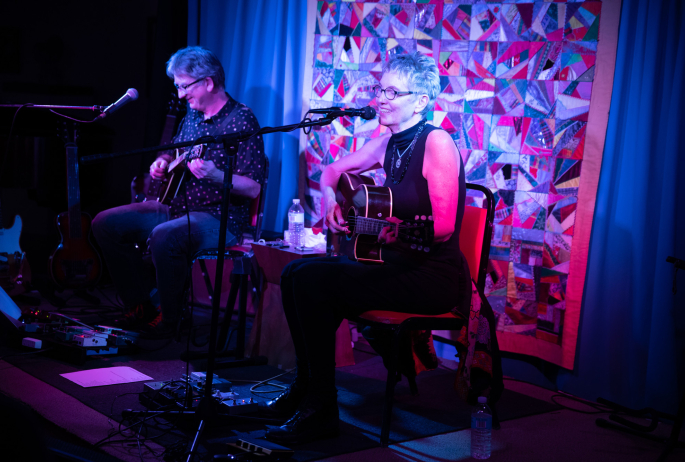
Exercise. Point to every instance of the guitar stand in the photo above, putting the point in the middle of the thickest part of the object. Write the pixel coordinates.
(644, 431)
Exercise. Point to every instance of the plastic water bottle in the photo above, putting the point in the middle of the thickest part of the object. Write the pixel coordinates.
(481, 429)
(296, 224)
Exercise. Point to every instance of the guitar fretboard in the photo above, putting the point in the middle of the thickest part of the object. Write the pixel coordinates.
(371, 226)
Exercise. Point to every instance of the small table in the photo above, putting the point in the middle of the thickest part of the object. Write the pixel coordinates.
(270, 335)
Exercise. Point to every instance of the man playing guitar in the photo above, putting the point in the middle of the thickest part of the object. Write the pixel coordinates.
(164, 229)
(425, 176)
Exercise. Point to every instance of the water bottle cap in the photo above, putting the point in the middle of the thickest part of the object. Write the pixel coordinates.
(296, 201)
(482, 400)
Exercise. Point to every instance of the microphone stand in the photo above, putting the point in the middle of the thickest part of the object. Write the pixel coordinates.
(207, 409)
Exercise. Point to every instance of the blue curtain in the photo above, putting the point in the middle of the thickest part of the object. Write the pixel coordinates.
(632, 335)
(261, 44)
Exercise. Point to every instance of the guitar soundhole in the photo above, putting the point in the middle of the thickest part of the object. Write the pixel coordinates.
(351, 220)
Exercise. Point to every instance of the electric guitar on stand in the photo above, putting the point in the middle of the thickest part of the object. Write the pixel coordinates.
(75, 264)
(14, 270)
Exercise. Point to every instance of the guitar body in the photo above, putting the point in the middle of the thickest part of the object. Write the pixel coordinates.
(9, 238)
(358, 196)
(75, 264)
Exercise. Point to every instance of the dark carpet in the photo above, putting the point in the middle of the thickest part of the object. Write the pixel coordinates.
(361, 388)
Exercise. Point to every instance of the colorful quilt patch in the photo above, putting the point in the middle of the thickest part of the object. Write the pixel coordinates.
(326, 18)
(502, 171)
(452, 94)
(485, 22)
(454, 58)
(512, 60)
(578, 61)
(456, 24)
(548, 22)
(351, 17)
(505, 133)
(538, 136)
(509, 97)
(479, 95)
(515, 22)
(375, 20)
(482, 59)
(582, 21)
(569, 138)
(428, 21)
(323, 51)
(540, 99)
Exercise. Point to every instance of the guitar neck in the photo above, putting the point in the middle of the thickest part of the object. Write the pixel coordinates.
(73, 194)
(371, 226)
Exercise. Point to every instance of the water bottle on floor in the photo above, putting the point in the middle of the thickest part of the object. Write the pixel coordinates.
(481, 429)
(296, 224)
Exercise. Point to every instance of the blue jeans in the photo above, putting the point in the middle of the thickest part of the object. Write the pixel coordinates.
(148, 224)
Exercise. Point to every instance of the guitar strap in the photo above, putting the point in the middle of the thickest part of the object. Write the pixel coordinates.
(236, 107)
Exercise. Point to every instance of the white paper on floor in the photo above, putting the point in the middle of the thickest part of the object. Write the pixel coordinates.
(106, 376)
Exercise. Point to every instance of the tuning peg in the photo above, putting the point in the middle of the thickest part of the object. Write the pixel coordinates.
(430, 217)
(413, 246)
(426, 249)
(420, 247)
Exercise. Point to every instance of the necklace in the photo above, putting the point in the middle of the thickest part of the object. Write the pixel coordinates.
(410, 148)
(399, 156)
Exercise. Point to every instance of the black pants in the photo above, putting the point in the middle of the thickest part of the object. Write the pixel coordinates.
(318, 293)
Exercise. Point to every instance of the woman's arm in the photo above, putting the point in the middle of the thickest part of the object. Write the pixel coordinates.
(370, 156)
(441, 169)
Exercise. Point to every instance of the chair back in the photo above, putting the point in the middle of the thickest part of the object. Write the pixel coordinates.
(475, 234)
(254, 225)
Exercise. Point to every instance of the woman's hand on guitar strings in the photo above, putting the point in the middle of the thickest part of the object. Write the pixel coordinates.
(388, 235)
(158, 169)
(334, 219)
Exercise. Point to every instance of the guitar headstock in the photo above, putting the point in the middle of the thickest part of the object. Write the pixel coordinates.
(176, 105)
(419, 232)
(68, 131)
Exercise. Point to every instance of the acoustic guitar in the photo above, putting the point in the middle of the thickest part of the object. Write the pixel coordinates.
(365, 207)
(176, 173)
(75, 264)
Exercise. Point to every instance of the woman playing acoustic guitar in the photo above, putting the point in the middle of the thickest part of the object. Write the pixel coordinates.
(425, 178)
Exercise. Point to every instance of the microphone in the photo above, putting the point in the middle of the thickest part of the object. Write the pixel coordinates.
(366, 113)
(130, 95)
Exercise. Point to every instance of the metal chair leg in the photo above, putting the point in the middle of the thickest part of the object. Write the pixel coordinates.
(222, 345)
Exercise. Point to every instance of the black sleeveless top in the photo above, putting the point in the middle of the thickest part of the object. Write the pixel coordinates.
(411, 198)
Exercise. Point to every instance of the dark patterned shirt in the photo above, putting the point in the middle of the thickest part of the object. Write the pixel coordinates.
(205, 195)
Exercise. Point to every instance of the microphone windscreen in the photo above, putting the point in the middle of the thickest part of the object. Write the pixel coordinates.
(368, 113)
(132, 93)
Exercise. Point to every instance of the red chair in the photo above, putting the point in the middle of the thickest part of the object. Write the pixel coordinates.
(240, 255)
(474, 241)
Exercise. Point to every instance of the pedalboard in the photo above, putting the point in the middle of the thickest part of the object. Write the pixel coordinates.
(173, 393)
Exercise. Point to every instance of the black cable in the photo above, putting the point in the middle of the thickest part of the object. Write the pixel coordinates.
(599, 408)
(265, 383)
(76, 120)
(9, 138)
(27, 353)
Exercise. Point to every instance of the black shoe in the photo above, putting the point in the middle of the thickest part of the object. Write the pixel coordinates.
(315, 419)
(139, 315)
(285, 404)
(159, 329)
